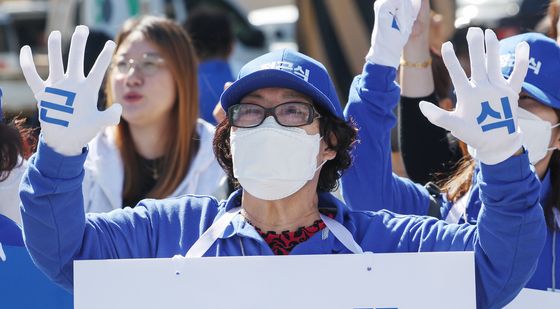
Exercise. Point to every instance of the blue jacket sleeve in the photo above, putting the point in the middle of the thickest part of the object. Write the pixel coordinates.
(55, 226)
(369, 183)
(10, 232)
(511, 229)
(507, 240)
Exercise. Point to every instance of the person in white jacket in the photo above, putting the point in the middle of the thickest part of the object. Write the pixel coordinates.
(160, 148)
(9, 190)
(14, 149)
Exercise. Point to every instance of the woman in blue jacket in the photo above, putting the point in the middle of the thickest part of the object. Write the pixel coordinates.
(286, 142)
(539, 115)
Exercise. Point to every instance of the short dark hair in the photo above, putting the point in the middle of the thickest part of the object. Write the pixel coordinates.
(16, 143)
(211, 32)
(339, 135)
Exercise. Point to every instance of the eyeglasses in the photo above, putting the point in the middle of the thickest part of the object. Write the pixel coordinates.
(149, 64)
(291, 114)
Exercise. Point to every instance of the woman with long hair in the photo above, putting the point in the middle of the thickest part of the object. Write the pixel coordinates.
(160, 148)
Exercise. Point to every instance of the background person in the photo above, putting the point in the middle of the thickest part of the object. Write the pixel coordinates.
(213, 39)
(22, 285)
(16, 145)
(160, 148)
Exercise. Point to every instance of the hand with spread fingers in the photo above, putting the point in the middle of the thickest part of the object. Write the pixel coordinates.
(485, 117)
(393, 24)
(67, 102)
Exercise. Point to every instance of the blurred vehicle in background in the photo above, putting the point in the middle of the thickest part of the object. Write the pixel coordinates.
(278, 27)
(21, 23)
(27, 22)
(507, 17)
(278, 24)
(108, 16)
(485, 12)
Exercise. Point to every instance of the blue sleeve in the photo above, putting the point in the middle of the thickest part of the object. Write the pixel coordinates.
(10, 232)
(507, 240)
(511, 230)
(55, 226)
(369, 183)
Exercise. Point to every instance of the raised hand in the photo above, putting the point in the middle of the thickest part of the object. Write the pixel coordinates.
(67, 102)
(485, 117)
(421, 26)
(393, 24)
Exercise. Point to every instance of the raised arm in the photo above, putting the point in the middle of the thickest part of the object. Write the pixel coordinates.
(369, 183)
(56, 229)
(425, 148)
(51, 194)
(416, 76)
(511, 229)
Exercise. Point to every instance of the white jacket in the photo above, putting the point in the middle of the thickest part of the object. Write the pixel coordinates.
(9, 193)
(104, 172)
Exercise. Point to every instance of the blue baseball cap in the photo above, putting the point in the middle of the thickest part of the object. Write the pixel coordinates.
(541, 81)
(285, 69)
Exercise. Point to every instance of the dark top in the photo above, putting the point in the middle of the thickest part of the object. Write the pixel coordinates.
(149, 173)
(10, 233)
(429, 152)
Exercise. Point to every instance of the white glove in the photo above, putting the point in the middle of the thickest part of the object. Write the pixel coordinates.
(486, 113)
(68, 102)
(392, 27)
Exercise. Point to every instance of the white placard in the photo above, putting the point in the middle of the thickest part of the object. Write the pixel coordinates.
(396, 280)
(529, 298)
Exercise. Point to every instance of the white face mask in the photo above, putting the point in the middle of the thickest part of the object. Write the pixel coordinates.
(272, 162)
(536, 134)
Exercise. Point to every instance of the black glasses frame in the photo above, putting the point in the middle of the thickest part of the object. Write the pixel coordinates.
(313, 114)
